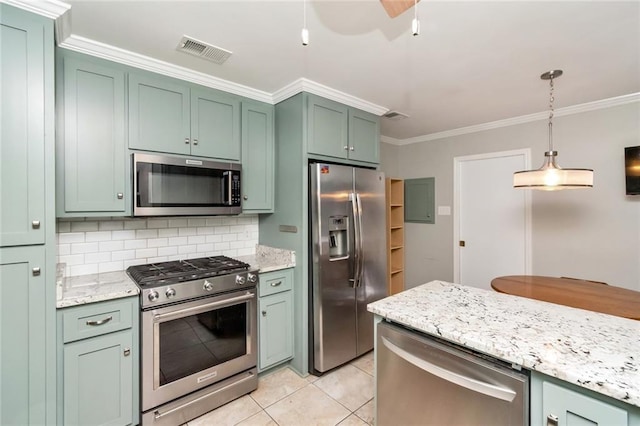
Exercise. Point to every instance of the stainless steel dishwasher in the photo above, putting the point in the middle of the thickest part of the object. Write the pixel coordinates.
(421, 381)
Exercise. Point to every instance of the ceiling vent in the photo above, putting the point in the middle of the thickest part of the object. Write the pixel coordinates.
(203, 50)
(395, 115)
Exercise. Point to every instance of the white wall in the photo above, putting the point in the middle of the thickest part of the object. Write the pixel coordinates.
(90, 246)
(592, 234)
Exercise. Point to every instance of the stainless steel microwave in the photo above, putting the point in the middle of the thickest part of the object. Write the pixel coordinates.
(165, 185)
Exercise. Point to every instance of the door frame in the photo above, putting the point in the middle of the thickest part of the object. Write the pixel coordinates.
(457, 163)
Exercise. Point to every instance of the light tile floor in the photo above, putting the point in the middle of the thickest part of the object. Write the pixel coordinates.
(342, 397)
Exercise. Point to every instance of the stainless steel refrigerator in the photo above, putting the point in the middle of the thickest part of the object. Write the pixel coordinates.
(348, 265)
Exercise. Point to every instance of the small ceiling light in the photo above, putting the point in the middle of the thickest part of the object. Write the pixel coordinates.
(415, 24)
(551, 177)
(305, 31)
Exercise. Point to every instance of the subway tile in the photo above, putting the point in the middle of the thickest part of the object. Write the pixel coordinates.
(221, 230)
(203, 248)
(196, 239)
(236, 244)
(230, 237)
(127, 263)
(148, 252)
(111, 245)
(245, 252)
(64, 249)
(157, 259)
(135, 244)
(157, 223)
(221, 246)
(195, 222)
(245, 220)
(157, 242)
(146, 233)
(177, 223)
(227, 220)
(251, 244)
(71, 237)
(123, 255)
(183, 232)
(84, 226)
(205, 230)
(213, 221)
(235, 229)
(97, 257)
(111, 225)
(123, 235)
(135, 224)
(214, 238)
(78, 248)
(187, 249)
(230, 253)
(98, 236)
(178, 241)
(73, 259)
(168, 232)
(110, 266)
(175, 257)
(167, 251)
(86, 269)
(63, 226)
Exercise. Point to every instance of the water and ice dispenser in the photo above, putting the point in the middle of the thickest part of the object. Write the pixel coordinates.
(338, 238)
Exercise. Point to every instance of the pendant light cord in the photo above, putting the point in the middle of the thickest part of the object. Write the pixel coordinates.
(551, 113)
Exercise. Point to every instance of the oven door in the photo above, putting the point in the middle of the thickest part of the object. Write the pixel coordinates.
(188, 346)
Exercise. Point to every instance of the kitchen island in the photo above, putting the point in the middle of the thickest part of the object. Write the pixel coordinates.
(590, 350)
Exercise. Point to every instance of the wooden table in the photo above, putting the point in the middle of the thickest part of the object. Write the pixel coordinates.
(570, 292)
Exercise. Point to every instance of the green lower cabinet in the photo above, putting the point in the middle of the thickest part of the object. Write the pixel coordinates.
(22, 336)
(275, 308)
(558, 403)
(100, 372)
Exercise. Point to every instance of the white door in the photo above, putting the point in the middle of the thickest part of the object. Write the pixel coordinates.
(492, 220)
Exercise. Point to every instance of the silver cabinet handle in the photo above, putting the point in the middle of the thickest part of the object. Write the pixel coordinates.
(346, 148)
(351, 149)
(120, 195)
(552, 420)
(195, 141)
(245, 198)
(100, 322)
(127, 351)
(36, 271)
(186, 140)
(276, 284)
(35, 224)
(264, 313)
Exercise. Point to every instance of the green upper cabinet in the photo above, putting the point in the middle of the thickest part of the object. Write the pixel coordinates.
(166, 115)
(339, 131)
(159, 117)
(91, 146)
(22, 126)
(257, 157)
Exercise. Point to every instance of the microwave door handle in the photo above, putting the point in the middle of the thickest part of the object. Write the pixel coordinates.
(228, 178)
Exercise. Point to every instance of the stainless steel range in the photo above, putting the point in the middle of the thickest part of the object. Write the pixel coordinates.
(198, 336)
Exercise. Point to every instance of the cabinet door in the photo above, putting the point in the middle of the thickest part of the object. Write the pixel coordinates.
(94, 138)
(275, 329)
(364, 136)
(215, 125)
(573, 408)
(327, 123)
(98, 380)
(257, 157)
(158, 115)
(22, 93)
(22, 335)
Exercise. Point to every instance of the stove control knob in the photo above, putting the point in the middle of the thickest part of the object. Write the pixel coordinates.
(240, 279)
(252, 278)
(207, 286)
(153, 295)
(170, 293)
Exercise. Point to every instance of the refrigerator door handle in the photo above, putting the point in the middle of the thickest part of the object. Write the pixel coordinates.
(357, 237)
(360, 249)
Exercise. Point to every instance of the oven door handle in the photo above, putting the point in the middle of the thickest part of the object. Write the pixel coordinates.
(202, 308)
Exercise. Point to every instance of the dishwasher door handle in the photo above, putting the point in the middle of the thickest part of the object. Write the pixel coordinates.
(450, 376)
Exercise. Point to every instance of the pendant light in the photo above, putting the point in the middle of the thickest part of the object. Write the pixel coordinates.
(415, 24)
(305, 32)
(551, 177)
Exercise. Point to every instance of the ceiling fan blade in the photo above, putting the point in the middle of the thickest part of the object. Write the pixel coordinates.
(396, 7)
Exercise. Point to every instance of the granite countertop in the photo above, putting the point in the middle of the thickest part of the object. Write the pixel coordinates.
(592, 350)
(269, 259)
(83, 289)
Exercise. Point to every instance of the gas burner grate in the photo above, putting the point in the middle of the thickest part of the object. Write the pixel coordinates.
(185, 270)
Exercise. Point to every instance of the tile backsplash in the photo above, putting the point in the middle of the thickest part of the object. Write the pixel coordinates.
(93, 245)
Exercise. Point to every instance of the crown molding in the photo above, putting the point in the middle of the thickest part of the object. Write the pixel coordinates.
(310, 86)
(570, 110)
(49, 8)
(115, 54)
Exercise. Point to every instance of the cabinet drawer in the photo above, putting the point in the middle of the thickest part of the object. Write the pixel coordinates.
(275, 282)
(97, 318)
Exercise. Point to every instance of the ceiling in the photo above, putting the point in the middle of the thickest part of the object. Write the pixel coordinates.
(473, 62)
